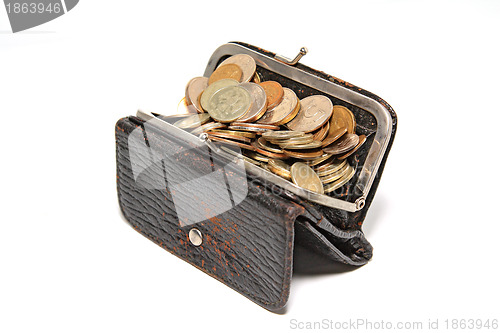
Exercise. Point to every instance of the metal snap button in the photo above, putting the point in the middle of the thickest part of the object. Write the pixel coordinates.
(195, 237)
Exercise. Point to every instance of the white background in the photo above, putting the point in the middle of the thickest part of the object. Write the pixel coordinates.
(68, 261)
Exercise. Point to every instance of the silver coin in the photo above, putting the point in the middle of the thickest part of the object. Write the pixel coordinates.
(229, 103)
(193, 90)
(342, 145)
(259, 103)
(213, 88)
(246, 63)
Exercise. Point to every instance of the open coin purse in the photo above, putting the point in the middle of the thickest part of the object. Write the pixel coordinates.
(236, 221)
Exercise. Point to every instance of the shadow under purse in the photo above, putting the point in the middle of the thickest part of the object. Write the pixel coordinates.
(237, 222)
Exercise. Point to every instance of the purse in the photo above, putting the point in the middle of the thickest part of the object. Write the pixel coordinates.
(236, 221)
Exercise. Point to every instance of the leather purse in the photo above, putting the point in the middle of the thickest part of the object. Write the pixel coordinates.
(237, 222)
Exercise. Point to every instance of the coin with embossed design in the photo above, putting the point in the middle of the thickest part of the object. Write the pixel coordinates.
(315, 112)
(305, 177)
(280, 113)
(212, 89)
(245, 62)
(229, 103)
(259, 102)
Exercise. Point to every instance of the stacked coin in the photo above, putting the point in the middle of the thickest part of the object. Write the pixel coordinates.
(306, 141)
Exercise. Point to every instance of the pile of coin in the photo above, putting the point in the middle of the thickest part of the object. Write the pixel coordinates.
(306, 141)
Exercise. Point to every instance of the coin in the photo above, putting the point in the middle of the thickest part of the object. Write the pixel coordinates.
(228, 71)
(318, 160)
(274, 92)
(245, 62)
(207, 127)
(335, 175)
(342, 145)
(306, 138)
(334, 136)
(194, 88)
(231, 136)
(269, 146)
(257, 78)
(248, 129)
(341, 182)
(330, 164)
(309, 154)
(362, 139)
(322, 132)
(213, 88)
(331, 168)
(310, 145)
(256, 156)
(280, 168)
(267, 153)
(342, 117)
(282, 111)
(315, 112)
(305, 177)
(282, 135)
(230, 142)
(261, 126)
(184, 108)
(240, 133)
(193, 121)
(259, 103)
(229, 103)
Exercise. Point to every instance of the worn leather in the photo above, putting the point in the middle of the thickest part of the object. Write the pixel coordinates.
(253, 246)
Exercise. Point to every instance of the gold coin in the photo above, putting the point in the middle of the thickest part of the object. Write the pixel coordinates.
(310, 145)
(342, 145)
(318, 160)
(362, 139)
(315, 112)
(230, 142)
(330, 168)
(322, 132)
(194, 88)
(212, 89)
(341, 182)
(342, 117)
(334, 136)
(229, 71)
(305, 177)
(280, 168)
(257, 78)
(335, 175)
(282, 111)
(193, 121)
(267, 153)
(279, 135)
(292, 115)
(269, 146)
(274, 92)
(240, 133)
(256, 156)
(245, 62)
(308, 154)
(229, 103)
(259, 102)
(207, 127)
(231, 136)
